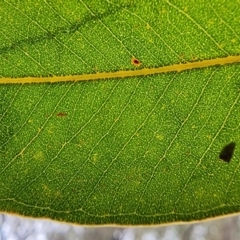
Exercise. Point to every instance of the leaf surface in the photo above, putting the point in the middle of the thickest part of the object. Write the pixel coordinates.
(138, 150)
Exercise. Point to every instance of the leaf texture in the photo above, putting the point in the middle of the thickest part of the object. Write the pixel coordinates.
(138, 150)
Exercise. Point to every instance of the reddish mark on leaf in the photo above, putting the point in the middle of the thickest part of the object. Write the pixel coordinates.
(135, 62)
(61, 114)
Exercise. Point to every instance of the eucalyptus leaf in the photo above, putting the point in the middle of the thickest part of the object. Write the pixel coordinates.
(130, 151)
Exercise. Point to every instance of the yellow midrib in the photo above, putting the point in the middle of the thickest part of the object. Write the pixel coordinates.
(123, 74)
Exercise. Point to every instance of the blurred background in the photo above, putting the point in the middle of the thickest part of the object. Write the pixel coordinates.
(14, 228)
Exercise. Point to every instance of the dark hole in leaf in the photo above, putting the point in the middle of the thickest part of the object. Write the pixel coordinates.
(227, 152)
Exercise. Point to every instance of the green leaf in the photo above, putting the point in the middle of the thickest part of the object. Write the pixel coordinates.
(138, 150)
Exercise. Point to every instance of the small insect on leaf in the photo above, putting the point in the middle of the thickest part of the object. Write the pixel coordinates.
(227, 152)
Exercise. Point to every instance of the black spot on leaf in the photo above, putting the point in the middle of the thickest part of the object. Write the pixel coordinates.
(227, 152)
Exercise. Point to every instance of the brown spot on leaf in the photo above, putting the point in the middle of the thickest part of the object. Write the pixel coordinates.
(61, 114)
(135, 62)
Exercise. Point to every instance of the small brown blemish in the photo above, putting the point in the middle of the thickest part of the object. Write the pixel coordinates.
(61, 114)
(135, 62)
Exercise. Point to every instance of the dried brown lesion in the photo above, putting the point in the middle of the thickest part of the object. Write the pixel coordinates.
(135, 62)
(61, 114)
